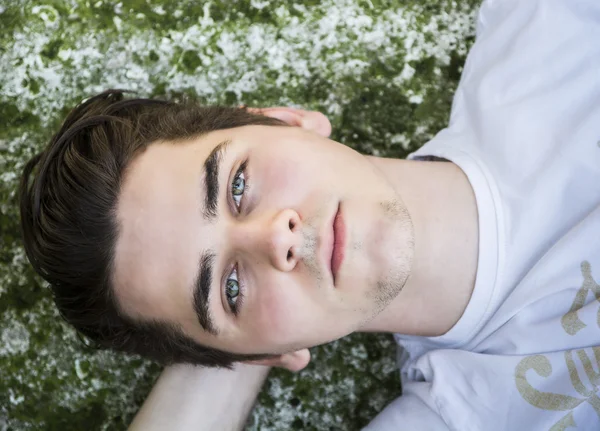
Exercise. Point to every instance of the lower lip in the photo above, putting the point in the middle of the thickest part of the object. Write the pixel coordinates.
(339, 238)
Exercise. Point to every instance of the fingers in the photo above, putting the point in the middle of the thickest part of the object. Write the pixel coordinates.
(297, 360)
(292, 361)
(317, 122)
(309, 120)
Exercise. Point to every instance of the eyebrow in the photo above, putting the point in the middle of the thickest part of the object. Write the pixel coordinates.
(202, 293)
(204, 275)
(212, 166)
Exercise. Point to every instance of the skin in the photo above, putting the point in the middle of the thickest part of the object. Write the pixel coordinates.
(279, 240)
(290, 302)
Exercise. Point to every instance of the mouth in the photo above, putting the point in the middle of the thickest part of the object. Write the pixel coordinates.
(339, 242)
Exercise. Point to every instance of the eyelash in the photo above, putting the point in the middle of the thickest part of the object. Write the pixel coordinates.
(241, 170)
(239, 299)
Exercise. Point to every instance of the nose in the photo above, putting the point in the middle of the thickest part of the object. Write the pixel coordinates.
(275, 238)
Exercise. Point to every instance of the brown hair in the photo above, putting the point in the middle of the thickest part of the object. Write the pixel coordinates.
(68, 216)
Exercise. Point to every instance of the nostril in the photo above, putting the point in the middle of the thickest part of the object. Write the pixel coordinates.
(289, 255)
(291, 225)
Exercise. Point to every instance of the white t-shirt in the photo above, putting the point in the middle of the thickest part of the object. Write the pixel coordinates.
(525, 129)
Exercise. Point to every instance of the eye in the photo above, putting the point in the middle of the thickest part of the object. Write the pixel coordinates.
(233, 292)
(239, 185)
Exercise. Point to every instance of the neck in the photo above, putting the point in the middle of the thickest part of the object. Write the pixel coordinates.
(442, 206)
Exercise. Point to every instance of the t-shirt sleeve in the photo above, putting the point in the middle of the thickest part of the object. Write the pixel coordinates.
(411, 411)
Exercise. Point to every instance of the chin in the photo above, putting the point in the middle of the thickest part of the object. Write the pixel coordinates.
(389, 277)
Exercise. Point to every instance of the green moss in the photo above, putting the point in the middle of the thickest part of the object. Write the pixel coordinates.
(19, 120)
(190, 61)
(51, 49)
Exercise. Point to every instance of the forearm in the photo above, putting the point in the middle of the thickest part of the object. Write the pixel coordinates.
(193, 398)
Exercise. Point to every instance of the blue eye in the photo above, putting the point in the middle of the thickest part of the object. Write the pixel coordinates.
(233, 292)
(239, 185)
(233, 289)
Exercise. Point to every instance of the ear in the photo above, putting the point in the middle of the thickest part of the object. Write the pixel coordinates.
(293, 361)
(309, 120)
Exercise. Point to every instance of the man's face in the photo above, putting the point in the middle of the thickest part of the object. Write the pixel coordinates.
(268, 240)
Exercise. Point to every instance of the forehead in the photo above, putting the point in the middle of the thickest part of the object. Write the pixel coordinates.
(160, 220)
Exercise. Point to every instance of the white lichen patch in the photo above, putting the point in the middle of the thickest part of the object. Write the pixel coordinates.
(337, 40)
(14, 336)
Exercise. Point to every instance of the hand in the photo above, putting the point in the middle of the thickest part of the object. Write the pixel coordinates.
(309, 120)
(292, 361)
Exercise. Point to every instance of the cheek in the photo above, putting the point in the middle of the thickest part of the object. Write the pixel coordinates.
(278, 312)
(278, 179)
(283, 177)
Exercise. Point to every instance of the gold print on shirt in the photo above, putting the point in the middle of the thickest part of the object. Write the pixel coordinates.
(542, 400)
(564, 423)
(542, 366)
(570, 321)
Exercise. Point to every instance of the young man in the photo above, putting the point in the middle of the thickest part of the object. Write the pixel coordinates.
(218, 236)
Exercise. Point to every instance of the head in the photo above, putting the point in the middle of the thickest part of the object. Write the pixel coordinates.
(205, 234)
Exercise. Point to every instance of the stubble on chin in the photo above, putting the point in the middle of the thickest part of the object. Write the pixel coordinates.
(388, 286)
